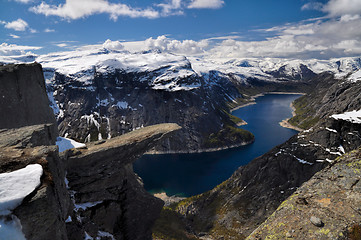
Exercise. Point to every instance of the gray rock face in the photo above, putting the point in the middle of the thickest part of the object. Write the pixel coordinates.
(330, 207)
(42, 212)
(100, 192)
(23, 99)
(101, 197)
(240, 204)
(102, 177)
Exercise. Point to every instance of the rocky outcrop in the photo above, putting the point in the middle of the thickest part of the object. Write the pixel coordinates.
(84, 193)
(42, 213)
(236, 207)
(23, 98)
(108, 196)
(331, 96)
(117, 102)
(325, 207)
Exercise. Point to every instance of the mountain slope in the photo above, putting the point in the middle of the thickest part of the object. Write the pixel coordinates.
(240, 204)
(98, 93)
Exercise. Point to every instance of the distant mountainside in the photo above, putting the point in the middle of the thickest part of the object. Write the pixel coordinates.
(98, 93)
(235, 208)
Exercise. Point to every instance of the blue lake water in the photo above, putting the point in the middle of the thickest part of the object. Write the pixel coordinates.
(191, 174)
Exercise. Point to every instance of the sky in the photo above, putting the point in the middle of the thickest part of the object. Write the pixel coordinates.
(218, 28)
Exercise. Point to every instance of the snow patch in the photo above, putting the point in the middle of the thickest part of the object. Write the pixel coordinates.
(331, 130)
(67, 143)
(68, 220)
(355, 77)
(121, 105)
(86, 205)
(10, 228)
(353, 117)
(16, 185)
(105, 234)
(302, 161)
(341, 149)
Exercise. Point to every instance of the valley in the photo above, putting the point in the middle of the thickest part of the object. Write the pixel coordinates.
(100, 95)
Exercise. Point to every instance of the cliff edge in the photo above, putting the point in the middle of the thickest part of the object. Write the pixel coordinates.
(328, 206)
(88, 193)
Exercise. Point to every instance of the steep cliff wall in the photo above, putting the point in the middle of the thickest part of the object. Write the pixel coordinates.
(83, 194)
(23, 99)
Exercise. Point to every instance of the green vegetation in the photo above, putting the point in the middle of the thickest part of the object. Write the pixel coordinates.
(170, 226)
(228, 136)
(237, 102)
(305, 114)
(236, 120)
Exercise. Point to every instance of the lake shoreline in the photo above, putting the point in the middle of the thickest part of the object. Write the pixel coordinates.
(207, 150)
(284, 123)
(185, 174)
(253, 99)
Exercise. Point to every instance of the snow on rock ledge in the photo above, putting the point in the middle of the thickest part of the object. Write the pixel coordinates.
(16, 185)
(66, 143)
(356, 76)
(354, 116)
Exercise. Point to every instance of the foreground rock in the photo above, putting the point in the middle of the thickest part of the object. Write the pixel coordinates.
(108, 196)
(332, 197)
(90, 193)
(87, 192)
(23, 96)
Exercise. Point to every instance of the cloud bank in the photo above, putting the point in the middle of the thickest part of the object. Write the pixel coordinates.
(75, 9)
(215, 4)
(13, 49)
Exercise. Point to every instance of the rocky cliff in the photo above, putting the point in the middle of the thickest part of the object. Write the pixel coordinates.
(325, 207)
(236, 207)
(23, 102)
(88, 193)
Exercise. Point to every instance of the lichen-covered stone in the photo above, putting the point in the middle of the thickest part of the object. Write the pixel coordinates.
(336, 205)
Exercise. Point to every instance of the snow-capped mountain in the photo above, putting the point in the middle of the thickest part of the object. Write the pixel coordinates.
(98, 93)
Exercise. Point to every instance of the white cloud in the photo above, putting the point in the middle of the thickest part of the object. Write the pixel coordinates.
(13, 49)
(24, 1)
(48, 30)
(62, 45)
(331, 37)
(342, 7)
(171, 7)
(175, 46)
(75, 9)
(214, 4)
(17, 25)
(312, 6)
(14, 36)
(112, 45)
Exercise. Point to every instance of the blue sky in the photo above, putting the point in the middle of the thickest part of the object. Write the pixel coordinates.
(257, 28)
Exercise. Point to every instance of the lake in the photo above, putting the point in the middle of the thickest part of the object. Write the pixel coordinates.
(190, 174)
